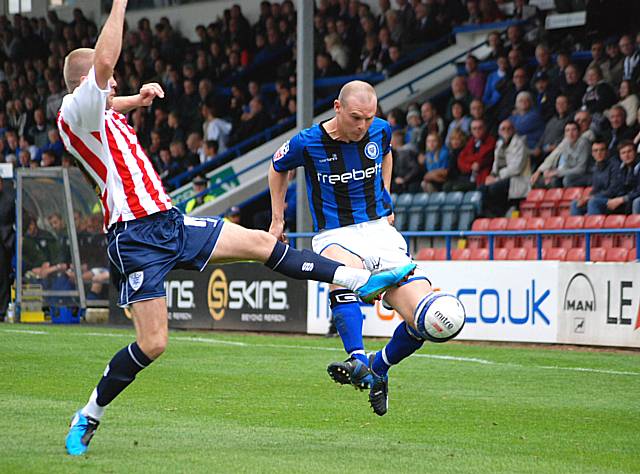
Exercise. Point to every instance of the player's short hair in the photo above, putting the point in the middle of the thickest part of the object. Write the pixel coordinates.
(355, 88)
(77, 64)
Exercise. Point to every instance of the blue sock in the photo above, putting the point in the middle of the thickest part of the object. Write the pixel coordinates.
(348, 319)
(301, 264)
(120, 372)
(403, 343)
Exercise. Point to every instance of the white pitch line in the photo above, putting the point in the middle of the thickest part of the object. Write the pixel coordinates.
(473, 360)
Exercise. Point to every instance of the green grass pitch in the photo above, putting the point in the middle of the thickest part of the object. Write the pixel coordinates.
(220, 402)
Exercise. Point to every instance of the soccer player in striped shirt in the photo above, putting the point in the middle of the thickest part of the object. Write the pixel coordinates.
(146, 236)
(347, 160)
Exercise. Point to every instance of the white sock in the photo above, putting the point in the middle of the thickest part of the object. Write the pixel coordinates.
(352, 278)
(92, 408)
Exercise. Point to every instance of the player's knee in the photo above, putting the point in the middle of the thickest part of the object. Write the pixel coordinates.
(155, 345)
(339, 254)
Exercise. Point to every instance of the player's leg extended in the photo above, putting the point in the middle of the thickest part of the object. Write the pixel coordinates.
(150, 321)
(238, 243)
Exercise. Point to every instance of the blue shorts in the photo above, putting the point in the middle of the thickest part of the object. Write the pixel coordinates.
(143, 251)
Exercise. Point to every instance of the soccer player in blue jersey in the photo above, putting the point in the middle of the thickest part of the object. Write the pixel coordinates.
(147, 236)
(347, 161)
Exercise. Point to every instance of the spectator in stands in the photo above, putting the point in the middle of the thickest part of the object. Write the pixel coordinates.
(431, 122)
(167, 168)
(553, 130)
(48, 159)
(509, 92)
(491, 95)
(489, 11)
(583, 119)
(476, 110)
(619, 131)
(426, 26)
(233, 214)
(510, 173)
(414, 129)
(459, 120)
(407, 173)
(38, 131)
(566, 164)
(574, 88)
(195, 147)
(604, 172)
(179, 155)
(24, 159)
(495, 44)
(613, 66)
(210, 150)
(599, 95)
(527, 120)
(515, 40)
(252, 122)
(460, 93)
(476, 159)
(54, 101)
(563, 60)
(630, 69)
(545, 96)
(189, 107)
(457, 142)
(199, 196)
(544, 63)
(339, 52)
(214, 127)
(475, 78)
(623, 194)
(176, 130)
(598, 58)
(435, 161)
(628, 100)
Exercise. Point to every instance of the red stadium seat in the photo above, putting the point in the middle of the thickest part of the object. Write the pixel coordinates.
(518, 253)
(498, 223)
(632, 255)
(555, 253)
(460, 254)
(549, 206)
(479, 225)
(515, 223)
(500, 254)
(575, 255)
(529, 207)
(568, 196)
(614, 221)
(479, 254)
(552, 223)
(586, 192)
(569, 241)
(616, 254)
(598, 254)
(426, 253)
(533, 223)
(629, 240)
(532, 253)
(594, 222)
(440, 253)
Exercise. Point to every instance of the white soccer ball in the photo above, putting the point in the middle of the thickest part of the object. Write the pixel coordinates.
(439, 317)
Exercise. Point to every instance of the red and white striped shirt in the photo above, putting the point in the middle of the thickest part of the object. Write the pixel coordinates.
(108, 148)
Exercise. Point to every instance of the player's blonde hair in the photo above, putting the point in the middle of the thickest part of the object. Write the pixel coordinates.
(76, 65)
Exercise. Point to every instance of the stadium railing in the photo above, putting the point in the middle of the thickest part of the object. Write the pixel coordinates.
(493, 235)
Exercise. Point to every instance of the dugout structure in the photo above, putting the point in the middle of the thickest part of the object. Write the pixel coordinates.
(60, 245)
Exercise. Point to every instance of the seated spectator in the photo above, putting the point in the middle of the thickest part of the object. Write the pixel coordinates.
(566, 164)
(48, 159)
(459, 92)
(510, 173)
(599, 95)
(252, 122)
(476, 159)
(619, 131)
(628, 100)
(545, 96)
(631, 61)
(583, 119)
(233, 214)
(167, 167)
(574, 88)
(179, 155)
(435, 161)
(210, 150)
(431, 122)
(515, 40)
(199, 195)
(339, 52)
(38, 131)
(553, 131)
(195, 147)
(215, 128)
(326, 67)
(489, 11)
(623, 194)
(412, 135)
(509, 91)
(545, 65)
(176, 130)
(457, 142)
(527, 120)
(495, 44)
(604, 171)
(491, 95)
(475, 77)
(563, 60)
(598, 58)
(612, 68)
(407, 173)
(459, 120)
(476, 110)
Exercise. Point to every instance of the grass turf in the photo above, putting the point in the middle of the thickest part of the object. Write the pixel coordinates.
(252, 403)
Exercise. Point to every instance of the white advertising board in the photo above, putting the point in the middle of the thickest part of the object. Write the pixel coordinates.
(600, 304)
(504, 301)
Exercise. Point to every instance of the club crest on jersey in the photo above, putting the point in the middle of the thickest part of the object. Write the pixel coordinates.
(371, 150)
(135, 280)
(280, 152)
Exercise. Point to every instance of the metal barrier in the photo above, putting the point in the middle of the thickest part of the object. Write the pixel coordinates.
(492, 235)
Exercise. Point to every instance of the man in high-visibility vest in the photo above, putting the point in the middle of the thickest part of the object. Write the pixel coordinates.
(199, 185)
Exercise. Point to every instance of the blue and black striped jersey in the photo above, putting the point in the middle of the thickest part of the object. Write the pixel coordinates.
(344, 179)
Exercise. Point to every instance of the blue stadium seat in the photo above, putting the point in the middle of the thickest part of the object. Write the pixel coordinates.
(394, 199)
(450, 210)
(473, 198)
(433, 211)
(404, 201)
(400, 218)
(421, 200)
(470, 208)
(415, 215)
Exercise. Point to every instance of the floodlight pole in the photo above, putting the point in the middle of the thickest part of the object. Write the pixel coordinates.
(304, 86)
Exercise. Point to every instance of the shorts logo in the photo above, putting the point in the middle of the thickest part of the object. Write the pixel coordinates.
(280, 152)
(371, 150)
(135, 280)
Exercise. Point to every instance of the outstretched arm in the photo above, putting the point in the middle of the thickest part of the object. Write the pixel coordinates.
(278, 182)
(109, 44)
(144, 98)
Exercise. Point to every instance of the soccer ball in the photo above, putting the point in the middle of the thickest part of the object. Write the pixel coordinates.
(440, 317)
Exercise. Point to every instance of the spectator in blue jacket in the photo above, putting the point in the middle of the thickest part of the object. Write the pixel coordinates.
(623, 194)
(436, 162)
(527, 119)
(603, 175)
(491, 94)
